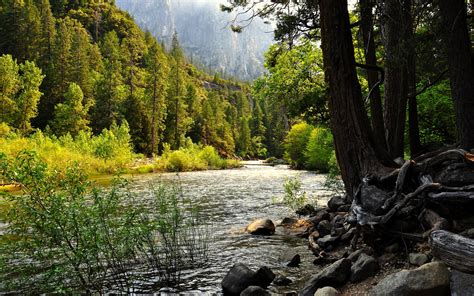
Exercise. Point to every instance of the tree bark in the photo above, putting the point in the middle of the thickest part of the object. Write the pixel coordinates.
(355, 145)
(396, 78)
(376, 110)
(453, 14)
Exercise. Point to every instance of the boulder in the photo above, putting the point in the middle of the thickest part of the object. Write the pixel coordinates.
(291, 259)
(339, 231)
(355, 255)
(335, 202)
(282, 281)
(344, 208)
(327, 241)
(255, 291)
(312, 242)
(346, 237)
(335, 275)
(307, 210)
(326, 291)
(261, 227)
(238, 279)
(324, 227)
(418, 259)
(365, 267)
(431, 279)
(320, 216)
(462, 284)
(264, 277)
(372, 199)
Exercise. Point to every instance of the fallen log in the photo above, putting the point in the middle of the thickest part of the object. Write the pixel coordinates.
(454, 250)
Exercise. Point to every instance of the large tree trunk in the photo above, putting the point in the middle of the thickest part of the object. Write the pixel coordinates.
(376, 110)
(396, 78)
(355, 146)
(461, 72)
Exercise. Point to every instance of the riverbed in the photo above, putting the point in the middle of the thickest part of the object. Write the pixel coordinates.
(231, 199)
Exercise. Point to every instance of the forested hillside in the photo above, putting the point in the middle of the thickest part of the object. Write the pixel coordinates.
(75, 67)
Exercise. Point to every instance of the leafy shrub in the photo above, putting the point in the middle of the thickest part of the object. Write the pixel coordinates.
(108, 152)
(294, 197)
(319, 150)
(295, 144)
(65, 235)
(192, 157)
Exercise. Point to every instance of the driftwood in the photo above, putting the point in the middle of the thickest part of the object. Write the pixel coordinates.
(427, 191)
(454, 250)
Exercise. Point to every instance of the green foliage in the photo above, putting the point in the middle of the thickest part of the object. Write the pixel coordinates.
(192, 157)
(67, 236)
(19, 92)
(295, 144)
(70, 117)
(439, 129)
(294, 197)
(108, 152)
(319, 150)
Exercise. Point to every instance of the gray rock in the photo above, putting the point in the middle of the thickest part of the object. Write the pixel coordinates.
(372, 199)
(418, 259)
(307, 210)
(282, 281)
(264, 277)
(291, 259)
(335, 202)
(355, 255)
(238, 279)
(326, 291)
(469, 233)
(335, 275)
(324, 227)
(326, 241)
(339, 231)
(261, 227)
(348, 235)
(365, 267)
(255, 291)
(344, 208)
(431, 279)
(462, 284)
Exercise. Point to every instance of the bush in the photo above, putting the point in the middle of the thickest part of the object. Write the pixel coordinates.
(109, 152)
(67, 236)
(294, 197)
(319, 150)
(192, 157)
(295, 144)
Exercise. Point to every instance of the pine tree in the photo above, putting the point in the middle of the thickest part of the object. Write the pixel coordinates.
(80, 72)
(157, 71)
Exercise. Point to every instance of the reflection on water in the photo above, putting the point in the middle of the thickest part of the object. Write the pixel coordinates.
(231, 199)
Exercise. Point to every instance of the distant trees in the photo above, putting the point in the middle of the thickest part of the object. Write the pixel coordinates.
(86, 65)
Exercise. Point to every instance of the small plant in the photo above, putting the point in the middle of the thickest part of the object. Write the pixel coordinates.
(66, 236)
(294, 197)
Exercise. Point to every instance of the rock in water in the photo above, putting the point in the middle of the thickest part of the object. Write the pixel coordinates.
(238, 279)
(335, 274)
(326, 291)
(291, 259)
(365, 267)
(255, 291)
(261, 227)
(431, 279)
(264, 277)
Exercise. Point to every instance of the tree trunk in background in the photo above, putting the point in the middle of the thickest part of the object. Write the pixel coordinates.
(356, 151)
(376, 110)
(413, 126)
(461, 71)
(396, 78)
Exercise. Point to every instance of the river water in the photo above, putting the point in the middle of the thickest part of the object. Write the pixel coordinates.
(231, 199)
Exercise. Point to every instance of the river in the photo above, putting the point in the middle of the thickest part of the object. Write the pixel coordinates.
(231, 199)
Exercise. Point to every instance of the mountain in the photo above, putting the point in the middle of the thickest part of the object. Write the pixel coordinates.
(204, 33)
